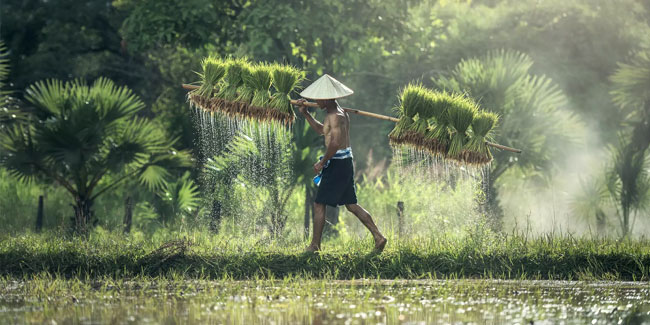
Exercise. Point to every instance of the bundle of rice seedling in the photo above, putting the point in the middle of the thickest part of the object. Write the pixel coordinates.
(482, 126)
(213, 71)
(416, 132)
(247, 89)
(460, 114)
(260, 82)
(437, 136)
(285, 79)
(412, 102)
(396, 136)
(233, 79)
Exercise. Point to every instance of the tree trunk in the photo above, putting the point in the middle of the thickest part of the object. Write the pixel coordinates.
(215, 216)
(128, 214)
(626, 220)
(492, 207)
(309, 210)
(639, 143)
(600, 222)
(82, 214)
(39, 214)
(400, 219)
(277, 222)
(331, 220)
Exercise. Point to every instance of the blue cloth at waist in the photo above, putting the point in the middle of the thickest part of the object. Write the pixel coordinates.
(340, 154)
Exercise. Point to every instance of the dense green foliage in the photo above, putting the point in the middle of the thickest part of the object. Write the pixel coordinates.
(376, 48)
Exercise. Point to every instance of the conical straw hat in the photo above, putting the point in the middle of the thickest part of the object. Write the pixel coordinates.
(326, 87)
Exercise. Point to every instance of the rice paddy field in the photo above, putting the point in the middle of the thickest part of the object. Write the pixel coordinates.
(195, 277)
(172, 300)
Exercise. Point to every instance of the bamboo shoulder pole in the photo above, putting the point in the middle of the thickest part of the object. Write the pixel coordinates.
(374, 115)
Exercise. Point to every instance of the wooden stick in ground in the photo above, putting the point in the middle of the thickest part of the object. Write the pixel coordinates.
(374, 115)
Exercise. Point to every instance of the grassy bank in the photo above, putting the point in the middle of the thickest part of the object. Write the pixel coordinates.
(201, 255)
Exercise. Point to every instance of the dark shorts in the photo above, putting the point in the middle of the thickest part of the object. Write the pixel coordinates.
(337, 184)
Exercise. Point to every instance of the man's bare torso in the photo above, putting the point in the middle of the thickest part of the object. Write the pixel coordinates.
(338, 120)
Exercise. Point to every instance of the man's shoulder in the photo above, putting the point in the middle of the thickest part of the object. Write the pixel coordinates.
(336, 116)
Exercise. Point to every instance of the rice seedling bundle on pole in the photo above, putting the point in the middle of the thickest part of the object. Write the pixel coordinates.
(414, 113)
(477, 149)
(439, 122)
(437, 136)
(241, 89)
(285, 79)
(213, 70)
(447, 125)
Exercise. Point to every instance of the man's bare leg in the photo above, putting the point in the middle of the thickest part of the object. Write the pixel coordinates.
(366, 219)
(319, 224)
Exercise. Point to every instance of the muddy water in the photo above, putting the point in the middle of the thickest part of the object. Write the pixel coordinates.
(327, 302)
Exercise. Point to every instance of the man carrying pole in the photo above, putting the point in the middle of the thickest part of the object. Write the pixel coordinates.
(335, 179)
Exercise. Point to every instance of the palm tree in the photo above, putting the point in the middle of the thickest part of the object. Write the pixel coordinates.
(530, 110)
(591, 200)
(9, 106)
(628, 182)
(258, 161)
(88, 140)
(631, 93)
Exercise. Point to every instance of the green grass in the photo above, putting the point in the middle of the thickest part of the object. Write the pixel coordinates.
(199, 254)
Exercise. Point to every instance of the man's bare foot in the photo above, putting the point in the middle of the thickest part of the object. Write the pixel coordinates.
(312, 249)
(380, 244)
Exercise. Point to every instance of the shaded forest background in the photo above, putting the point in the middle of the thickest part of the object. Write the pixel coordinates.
(578, 126)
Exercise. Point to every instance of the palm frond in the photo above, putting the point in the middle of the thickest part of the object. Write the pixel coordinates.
(153, 177)
(631, 82)
(179, 197)
(19, 154)
(114, 102)
(10, 110)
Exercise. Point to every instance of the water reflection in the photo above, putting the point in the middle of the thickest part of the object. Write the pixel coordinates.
(332, 302)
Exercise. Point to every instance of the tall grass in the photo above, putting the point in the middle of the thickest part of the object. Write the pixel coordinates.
(200, 254)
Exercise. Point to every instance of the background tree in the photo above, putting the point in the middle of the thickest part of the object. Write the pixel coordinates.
(80, 136)
(531, 110)
(628, 183)
(591, 201)
(576, 43)
(630, 180)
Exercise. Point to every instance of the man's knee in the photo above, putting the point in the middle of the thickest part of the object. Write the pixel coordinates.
(319, 206)
(351, 207)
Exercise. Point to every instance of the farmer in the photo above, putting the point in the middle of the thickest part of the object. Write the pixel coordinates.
(335, 171)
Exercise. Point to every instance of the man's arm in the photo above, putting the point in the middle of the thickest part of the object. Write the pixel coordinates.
(318, 126)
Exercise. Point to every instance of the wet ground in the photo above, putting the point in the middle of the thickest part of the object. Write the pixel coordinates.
(325, 302)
